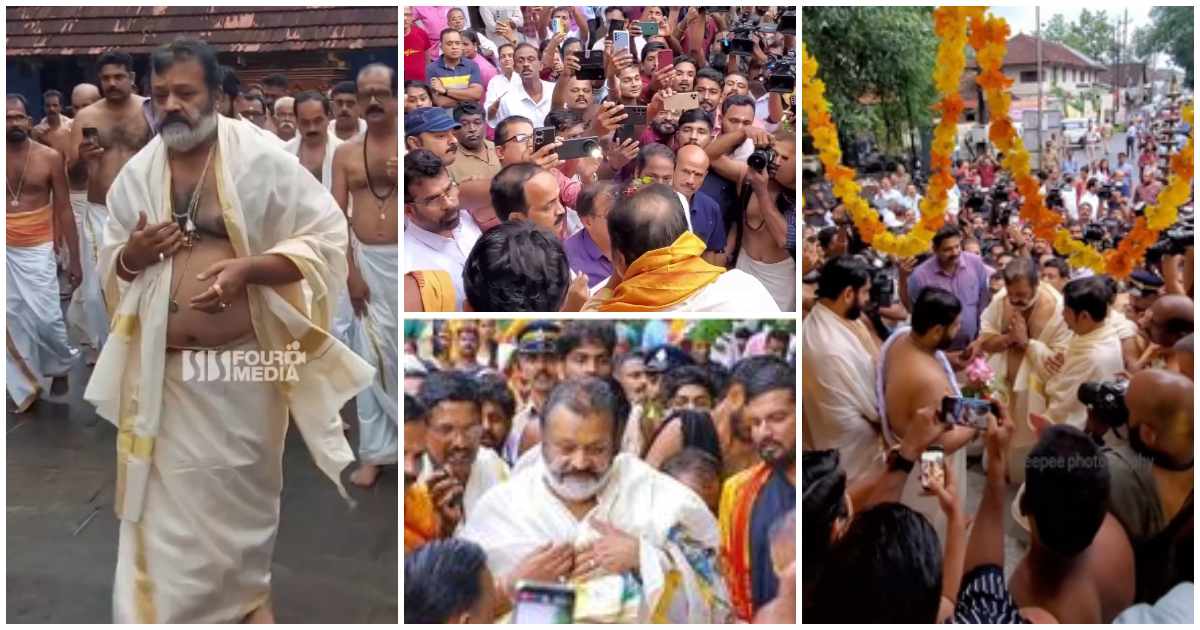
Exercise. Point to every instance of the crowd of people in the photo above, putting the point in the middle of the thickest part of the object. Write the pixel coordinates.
(599, 158)
(646, 467)
(1083, 386)
(207, 216)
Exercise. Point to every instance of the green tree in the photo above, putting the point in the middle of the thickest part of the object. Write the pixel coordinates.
(877, 65)
(1091, 34)
(1171, 31)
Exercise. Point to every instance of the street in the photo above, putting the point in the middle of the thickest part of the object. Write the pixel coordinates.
(332, 564)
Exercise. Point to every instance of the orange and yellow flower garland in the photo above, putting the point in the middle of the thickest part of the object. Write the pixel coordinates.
(950, 24)
(989, 37)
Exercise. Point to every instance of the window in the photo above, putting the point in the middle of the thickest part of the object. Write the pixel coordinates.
(1029, 76)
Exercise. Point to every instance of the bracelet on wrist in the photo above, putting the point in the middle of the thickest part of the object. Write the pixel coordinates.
(123, 266)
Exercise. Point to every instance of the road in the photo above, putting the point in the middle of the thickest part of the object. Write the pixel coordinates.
(333, 564)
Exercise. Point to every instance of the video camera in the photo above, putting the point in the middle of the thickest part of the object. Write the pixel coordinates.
(1175, 241)
(1096, 235)
(781, 73)
(1106, 400)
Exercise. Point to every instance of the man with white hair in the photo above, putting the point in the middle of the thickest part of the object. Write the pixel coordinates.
(285, 118)
(212, 238)
(641, 545)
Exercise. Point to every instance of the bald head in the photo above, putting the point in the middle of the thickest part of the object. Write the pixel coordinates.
(1161, 400)
(83, 95)
(1170, 319)
(651, 219)
(691, 165)
(1185, 356)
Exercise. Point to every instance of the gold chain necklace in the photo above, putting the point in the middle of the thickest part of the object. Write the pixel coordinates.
(16, 202)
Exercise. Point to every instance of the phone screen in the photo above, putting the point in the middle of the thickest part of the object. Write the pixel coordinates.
(933, 468)
(91, 134)
(541, 604)
(968, 412)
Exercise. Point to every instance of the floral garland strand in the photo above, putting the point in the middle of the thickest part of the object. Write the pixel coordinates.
(950, 25)
(989, 37)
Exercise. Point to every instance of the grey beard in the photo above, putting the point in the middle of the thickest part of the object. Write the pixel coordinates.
(180, 137)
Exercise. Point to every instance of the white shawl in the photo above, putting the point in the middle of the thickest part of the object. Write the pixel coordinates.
(271, 206)
(331, 144)
(839, 401)
(1095, 356)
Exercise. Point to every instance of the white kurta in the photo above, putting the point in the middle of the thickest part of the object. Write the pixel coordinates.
(1024, 393)
(1095, 356)
(515, 518)
(840, 410)
(173, 566)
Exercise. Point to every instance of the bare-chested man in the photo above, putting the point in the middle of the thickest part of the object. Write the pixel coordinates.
(1021, 328)
(55, 130)
(914, 373)
(764, 229)
(365, 178)
(1080, 566)
(37, 208)
(345, 124)
(87, 315)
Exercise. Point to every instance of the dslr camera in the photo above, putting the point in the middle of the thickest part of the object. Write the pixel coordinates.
(1106, 400)
(761, 159)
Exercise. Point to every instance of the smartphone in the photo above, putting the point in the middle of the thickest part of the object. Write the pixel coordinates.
(91, 134)
(580, 148)
(542, 602)
(933, 469)
(649, 29)
(591, 67)
(621, 40)
(682, 102)
(665, 58)
(967, 412)
(637, 114)
(614, 26)
(625, 131)
(542, 136)
(558, 25)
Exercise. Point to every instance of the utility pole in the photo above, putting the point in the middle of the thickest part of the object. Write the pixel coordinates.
(1037, 16)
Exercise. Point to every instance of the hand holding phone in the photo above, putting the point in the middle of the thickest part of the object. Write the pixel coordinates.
(649, 29)
(621, 40)
(967, 412)
(682, 102)
(544, 602)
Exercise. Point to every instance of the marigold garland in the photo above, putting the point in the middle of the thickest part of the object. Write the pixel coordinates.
(989, 37)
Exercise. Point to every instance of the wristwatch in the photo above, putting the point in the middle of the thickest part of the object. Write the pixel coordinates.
(896, 461)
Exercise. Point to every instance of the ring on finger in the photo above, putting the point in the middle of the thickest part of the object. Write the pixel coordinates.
(161, 257)
(224, 306)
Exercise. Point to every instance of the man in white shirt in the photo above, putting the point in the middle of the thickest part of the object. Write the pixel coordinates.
(888, 194)
(530, 97)
(1090, 197)
(438, 235)
(500, 85)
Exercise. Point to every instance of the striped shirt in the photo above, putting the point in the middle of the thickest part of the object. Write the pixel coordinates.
(984, 598)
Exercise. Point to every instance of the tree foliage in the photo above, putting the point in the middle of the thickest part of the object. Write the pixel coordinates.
(1092, 34)
(877, 65)
(1171, 31)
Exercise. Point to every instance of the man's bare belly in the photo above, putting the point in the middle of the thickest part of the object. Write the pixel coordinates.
(761, 247)
(190, 328)
(106, 171)
(369, 226)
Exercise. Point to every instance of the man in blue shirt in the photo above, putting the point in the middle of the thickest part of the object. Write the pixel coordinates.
(452, 77)
(691, 166)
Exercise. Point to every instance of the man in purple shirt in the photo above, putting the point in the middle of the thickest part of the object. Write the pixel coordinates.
(588, 250)
(962, 273)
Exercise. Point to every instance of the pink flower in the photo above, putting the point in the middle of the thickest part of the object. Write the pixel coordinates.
(979, 373)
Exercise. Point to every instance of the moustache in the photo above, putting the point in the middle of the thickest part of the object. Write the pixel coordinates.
(172, 119)
(375, 109)
(17, 135)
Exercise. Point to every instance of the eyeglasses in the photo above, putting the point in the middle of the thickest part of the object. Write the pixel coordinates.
(450, 195)
(521, 137)
(446, 432)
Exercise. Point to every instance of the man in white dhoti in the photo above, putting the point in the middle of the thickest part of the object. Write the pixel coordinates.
(87, 315)
(364, 174)
(39, 354)
(1092, 354)
(638, 546)
(1020, 329)
(455, 469)
(914, 374)
(211, 233)
(839, 353)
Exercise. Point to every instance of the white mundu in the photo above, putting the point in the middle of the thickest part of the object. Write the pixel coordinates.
(376, 338)
(199, 468)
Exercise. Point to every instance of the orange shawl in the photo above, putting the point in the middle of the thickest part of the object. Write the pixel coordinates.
(420, 519)
(26, 229)
(737, 502)
(662, 278)
(437, 290)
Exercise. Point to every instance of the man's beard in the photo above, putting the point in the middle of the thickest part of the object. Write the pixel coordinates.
(180, 136)
(945, 342)
(115, 94)
(576, 486)
(854, 311)
(774, 453)
(16, 135)
(663, 128)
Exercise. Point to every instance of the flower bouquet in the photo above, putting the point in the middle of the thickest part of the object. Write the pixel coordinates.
(980, 379)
